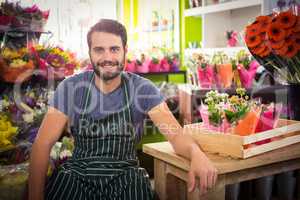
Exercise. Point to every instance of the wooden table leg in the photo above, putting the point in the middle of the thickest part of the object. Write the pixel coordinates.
(160, 179)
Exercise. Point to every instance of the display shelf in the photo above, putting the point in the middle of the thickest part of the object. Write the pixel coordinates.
(199, 11)
(210, 51)
(227, 16)
(165, 74)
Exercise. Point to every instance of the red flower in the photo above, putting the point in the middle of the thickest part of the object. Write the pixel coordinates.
(291, 50)
(276, 45)
(263, 22)
(6, 20)
(276, 32)
(296, 27)
(253, 29)
(253, 41)
(286, 19)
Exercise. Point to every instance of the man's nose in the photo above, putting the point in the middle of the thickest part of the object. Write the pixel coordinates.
(107, 55)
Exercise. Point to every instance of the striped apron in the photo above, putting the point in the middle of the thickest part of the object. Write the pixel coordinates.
(104, 163)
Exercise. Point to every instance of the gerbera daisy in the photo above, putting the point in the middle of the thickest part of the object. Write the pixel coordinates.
(291, 50)
(296, 27)
(286, 19)
(282, 51)
(265, 53)
(276, 32)
(276, 45)
(253, 41)
(259, 49)
(296, 38)
(263, 22)
(253, 29)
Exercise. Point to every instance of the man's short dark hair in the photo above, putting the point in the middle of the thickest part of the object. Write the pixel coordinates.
(108, 26)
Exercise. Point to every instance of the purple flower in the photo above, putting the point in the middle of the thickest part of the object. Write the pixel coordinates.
(32, 9)
(55, 60)
(281, 4)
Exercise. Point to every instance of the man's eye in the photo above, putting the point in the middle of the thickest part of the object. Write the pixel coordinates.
(98, 50)
(115, 50)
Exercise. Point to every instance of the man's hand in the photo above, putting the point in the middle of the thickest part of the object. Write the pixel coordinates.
(201, 167)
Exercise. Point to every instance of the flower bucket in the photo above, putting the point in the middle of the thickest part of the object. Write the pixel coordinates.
(130, 66)
(224, 127)
(154, 67)
(247, 76)
(268, 120)
(16, 74)
(206, 76)
(225, 75)
(164, 65)
(247, 125)
(175, 65)
(142, 68)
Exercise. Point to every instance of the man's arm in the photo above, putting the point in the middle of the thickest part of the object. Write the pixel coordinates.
(50, 130)
(185, 146)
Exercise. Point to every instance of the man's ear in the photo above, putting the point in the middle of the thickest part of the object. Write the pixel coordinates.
(126, 49)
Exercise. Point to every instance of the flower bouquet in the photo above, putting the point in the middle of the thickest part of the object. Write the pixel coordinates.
(54, 62)
(154, 65)
(212, 112)
(142, 64)
(205, 71)
(130, 65)
(175, 64)
(275, 42)
(16, 66)
(232, 38)
(236, 115)
(28, 19)
(224, 70)
(246, 68)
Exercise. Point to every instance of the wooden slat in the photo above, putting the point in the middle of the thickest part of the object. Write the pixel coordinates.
(271, 146)
(287, 126)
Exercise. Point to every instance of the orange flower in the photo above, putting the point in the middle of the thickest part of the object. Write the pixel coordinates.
(288, 32)
(263, 22)
(253, 41)
(276, 45)
(296, 38)
(276, 32)
(282, 51)
(259, 49)
(291, 50)
(286, 19)
(253, 29)
(296, 27)
(265, 53)
(288, 40)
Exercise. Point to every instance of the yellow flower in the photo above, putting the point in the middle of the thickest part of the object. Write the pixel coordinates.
(7, 131)
(16, 63)
(10, 54)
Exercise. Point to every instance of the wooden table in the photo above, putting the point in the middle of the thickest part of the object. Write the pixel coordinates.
(171, 170)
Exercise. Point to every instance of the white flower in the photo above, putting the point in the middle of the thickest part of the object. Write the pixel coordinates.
(28, 117)
(64, 154)
(54, 154)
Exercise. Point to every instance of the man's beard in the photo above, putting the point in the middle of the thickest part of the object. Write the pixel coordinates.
(108, 76)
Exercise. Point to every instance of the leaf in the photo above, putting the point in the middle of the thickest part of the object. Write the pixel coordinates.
(230, 116)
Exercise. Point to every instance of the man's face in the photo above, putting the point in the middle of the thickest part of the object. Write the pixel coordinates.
(107, 55)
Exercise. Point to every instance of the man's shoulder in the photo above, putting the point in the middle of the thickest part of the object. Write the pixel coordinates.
(135, 79)
(78, 77)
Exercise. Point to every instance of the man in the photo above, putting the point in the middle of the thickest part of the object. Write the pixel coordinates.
(105, 109)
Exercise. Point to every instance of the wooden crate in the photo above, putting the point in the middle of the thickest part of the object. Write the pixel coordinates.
(286, 133)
